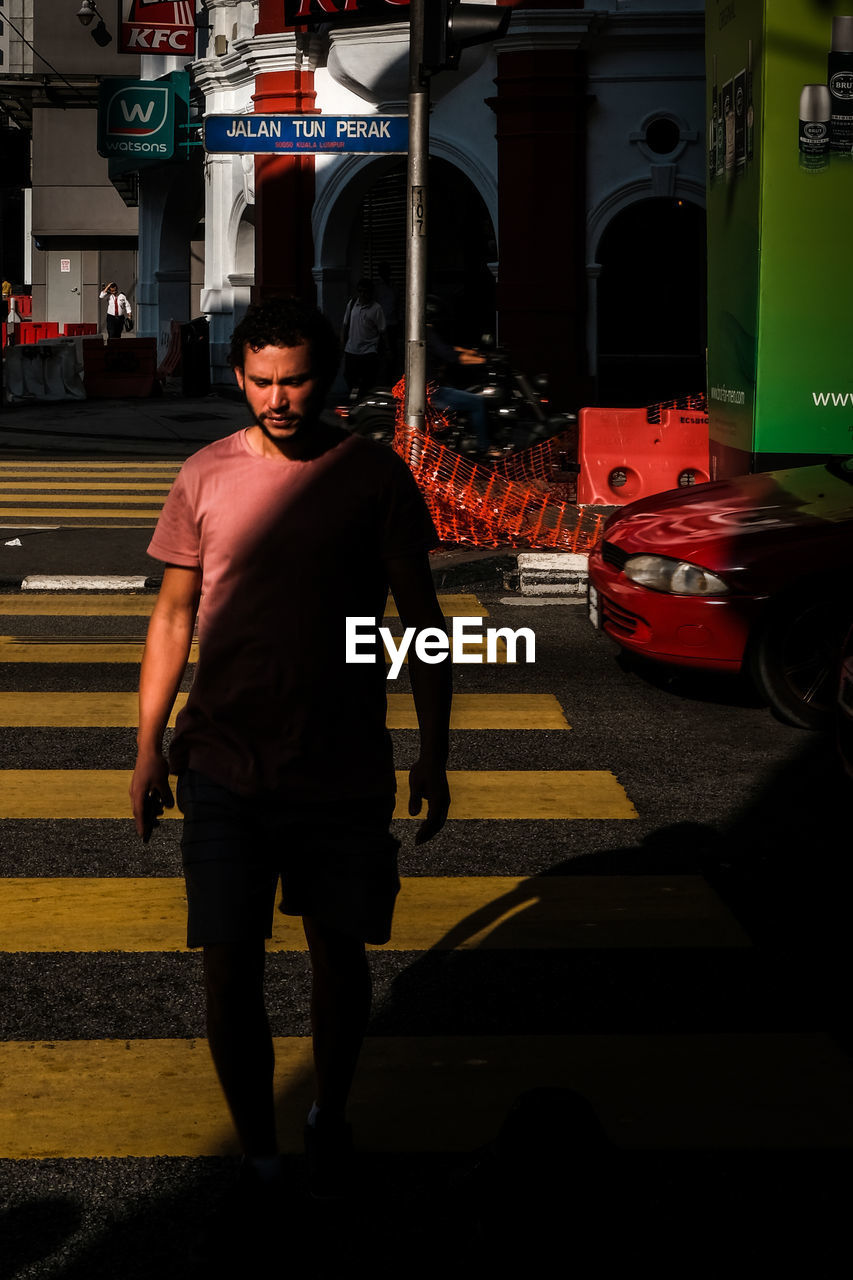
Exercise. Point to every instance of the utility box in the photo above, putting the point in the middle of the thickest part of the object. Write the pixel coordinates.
(119, 368)
(195, 358)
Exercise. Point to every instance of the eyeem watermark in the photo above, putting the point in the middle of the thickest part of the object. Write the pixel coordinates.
(434, 645)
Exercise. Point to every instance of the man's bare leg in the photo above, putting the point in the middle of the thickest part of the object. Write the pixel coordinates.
(340, 1008)
(240, 1041)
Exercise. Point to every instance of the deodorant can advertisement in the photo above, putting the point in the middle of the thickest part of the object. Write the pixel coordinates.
(780, 250)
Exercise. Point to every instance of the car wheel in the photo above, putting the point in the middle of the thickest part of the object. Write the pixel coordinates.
(794, 658)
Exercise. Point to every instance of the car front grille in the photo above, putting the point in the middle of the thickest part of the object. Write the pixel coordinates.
(621, 620)
(613, 555)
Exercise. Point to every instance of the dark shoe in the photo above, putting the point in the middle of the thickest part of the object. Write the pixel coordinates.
(242, 1228)
(328, 1152)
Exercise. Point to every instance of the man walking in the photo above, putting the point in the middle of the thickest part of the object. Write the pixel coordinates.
(284, 763)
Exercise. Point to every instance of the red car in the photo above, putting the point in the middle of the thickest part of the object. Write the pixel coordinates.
(751, 574)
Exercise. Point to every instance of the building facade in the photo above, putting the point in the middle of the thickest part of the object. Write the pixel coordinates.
(567, 184)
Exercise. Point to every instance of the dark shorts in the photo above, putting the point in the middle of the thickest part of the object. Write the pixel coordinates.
(337, 863)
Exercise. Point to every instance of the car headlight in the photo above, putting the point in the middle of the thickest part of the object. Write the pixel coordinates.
(678, 577)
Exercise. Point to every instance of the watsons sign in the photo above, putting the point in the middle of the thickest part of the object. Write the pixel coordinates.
(136, 120)
(157, 26)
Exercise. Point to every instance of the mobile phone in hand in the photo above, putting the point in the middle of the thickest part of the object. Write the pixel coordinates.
(152, 809)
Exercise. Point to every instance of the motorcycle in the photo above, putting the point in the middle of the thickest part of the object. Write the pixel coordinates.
(517, 407)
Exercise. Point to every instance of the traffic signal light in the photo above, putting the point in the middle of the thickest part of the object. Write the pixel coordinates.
(450, 26)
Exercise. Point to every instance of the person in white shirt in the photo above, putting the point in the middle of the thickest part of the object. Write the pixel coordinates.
(363, 338)
(118, 309)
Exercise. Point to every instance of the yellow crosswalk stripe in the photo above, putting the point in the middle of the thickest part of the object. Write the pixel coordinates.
(10, 490)
(83, 1099)
(103, 513)
(48, 650)
(34, 649)
(95, 499)
(119, 710)
(531, 794)
(110, 604)
(89, 914)
(83, 467)
(72, 604)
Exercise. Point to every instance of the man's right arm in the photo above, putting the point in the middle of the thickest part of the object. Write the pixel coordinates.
(167, 649)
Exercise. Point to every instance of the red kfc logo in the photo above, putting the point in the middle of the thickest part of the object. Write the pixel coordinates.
(158, 26)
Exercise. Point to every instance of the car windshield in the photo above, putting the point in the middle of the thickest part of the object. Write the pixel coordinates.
(842, 468)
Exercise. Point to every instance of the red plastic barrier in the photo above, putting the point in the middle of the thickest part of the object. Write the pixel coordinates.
(23, 305)
(35, 330)
(625, 454)
(79, 330)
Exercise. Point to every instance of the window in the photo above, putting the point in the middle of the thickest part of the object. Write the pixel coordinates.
(662, 136)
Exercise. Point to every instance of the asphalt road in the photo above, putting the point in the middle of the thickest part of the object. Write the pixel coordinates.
(682, 966)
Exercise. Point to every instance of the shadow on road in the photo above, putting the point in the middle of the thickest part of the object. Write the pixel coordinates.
(553, 1181)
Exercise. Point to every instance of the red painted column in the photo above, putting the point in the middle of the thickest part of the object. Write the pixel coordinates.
(284, 185)
(541, 110)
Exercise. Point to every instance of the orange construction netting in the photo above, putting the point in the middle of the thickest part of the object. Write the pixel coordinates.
(508, 504)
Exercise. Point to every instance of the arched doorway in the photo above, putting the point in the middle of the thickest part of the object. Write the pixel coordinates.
(461, 246)
(651, 303)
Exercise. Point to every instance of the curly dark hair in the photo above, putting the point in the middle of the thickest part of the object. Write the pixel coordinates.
(288, 322)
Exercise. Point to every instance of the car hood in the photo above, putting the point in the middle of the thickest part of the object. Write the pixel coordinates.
(732, 524)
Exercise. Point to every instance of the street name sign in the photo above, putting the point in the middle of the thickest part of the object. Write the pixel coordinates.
(307, 134)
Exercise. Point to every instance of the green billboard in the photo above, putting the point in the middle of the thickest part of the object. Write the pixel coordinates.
(780, 249)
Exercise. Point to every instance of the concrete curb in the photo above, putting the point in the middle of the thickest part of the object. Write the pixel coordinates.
(533, 573)
(78, 582)
(560, 573)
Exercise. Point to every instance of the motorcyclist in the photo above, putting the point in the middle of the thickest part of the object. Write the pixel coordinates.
(441, 355)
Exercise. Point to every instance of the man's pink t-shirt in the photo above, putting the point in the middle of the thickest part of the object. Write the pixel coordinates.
(288, 550)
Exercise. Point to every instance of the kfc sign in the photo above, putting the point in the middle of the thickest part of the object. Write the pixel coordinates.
(157, 26)
(300, 12)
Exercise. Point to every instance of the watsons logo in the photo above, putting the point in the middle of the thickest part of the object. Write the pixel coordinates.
(137, 113)
(135, 148)
(466, 643)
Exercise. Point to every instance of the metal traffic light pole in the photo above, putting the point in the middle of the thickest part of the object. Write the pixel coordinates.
(416, 252)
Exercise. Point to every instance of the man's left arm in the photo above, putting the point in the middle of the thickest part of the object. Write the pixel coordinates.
(411, 583)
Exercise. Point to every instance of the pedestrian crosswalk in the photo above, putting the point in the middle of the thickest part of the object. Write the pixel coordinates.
(148, 914)
(500, 794)
(118, 710)
(154, 1095)
(83, 494)
(85, 1099)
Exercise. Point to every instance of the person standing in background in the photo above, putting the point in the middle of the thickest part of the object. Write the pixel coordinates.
(118, 309)
(363, 339)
